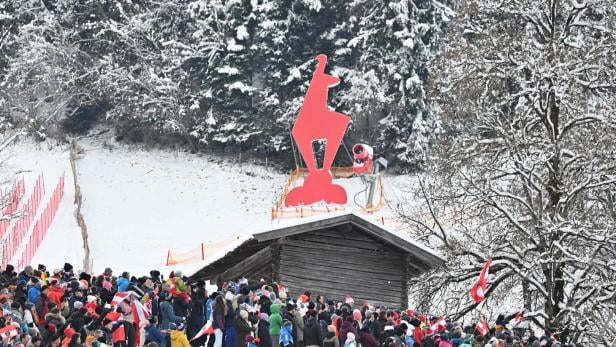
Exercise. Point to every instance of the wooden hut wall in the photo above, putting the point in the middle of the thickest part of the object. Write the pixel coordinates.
(253, 267)
(344, 261)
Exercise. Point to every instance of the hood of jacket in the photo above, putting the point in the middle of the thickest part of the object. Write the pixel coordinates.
(176, 335)
(275, 308)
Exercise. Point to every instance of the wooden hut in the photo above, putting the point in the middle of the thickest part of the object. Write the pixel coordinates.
(334, 255)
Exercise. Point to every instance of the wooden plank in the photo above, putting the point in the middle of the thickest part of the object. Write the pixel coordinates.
(404, 299)
(365, 257)
(343, 242)
(276, 248)
(355, 234)
(368, 273)
(301, 228)
(299, 287)
(249, 265)
(351, 278)
(333, 249)
(301, 284)
(363, 283)
(214, 269)
(374, 270)
(428, 259)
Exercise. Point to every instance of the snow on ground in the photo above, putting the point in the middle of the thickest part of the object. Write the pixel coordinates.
(63, 241)
(140, 203)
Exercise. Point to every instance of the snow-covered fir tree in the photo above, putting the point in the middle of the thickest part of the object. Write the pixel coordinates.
(524, 174)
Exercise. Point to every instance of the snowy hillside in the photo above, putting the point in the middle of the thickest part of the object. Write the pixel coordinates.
(139, 203)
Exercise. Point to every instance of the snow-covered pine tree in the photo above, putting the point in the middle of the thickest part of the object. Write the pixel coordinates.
(525, 173)
(226, 112)
(392, 42)
(134, 47)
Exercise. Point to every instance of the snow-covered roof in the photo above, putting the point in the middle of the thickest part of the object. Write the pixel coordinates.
(219, 250)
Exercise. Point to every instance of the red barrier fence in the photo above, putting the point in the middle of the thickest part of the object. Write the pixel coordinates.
(42, 225)
(12, 202)
(22, 225)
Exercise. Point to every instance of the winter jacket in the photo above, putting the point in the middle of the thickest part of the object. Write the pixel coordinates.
(180, 306)
(209, 305)
(123, 284)
(197, 305)
(218, 320)
(263, 333)
(179, 339)
(176, 286)
(265, 304)
(242, 329)
(298, 327)
(23, 277)
(41, 308)
(331, 340)
(33, 293)
(275, 320)
(286, 335)
(55, 295)
(367, 340)
(374, 328)
(153, 334)
(312, 332)
(347, 327)
(167, 315)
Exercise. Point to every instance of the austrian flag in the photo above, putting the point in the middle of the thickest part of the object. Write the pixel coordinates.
(482, 327)
(479, 288)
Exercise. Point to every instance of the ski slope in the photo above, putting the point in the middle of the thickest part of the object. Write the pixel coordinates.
(140, 203)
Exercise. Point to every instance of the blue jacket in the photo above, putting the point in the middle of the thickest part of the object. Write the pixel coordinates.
(286, 335)
(167, 315)
(208, 309)
(153, 334)
(33, 293)
(123, 284)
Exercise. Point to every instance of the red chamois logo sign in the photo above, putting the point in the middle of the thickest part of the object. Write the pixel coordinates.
(315, 123)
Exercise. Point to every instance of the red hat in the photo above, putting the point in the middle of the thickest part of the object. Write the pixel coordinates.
(51, 328)
(69, 332)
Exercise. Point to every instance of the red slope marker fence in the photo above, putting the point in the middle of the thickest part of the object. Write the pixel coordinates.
(12, 201)
(20, 227)
(42, 225)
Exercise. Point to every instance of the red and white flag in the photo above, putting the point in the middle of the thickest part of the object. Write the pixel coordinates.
(349, 300)
(206, 330)
(119, 297)
(8, 332)
(140, 313)
(482, 327)
(479, 288)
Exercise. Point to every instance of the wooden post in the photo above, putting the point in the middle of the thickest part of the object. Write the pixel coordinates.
(202, 251)
(404, 297)
(276, 247)
(168, 256)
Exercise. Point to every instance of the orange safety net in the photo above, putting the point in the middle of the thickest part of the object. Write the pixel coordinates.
(280, 211)
(200, 253)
